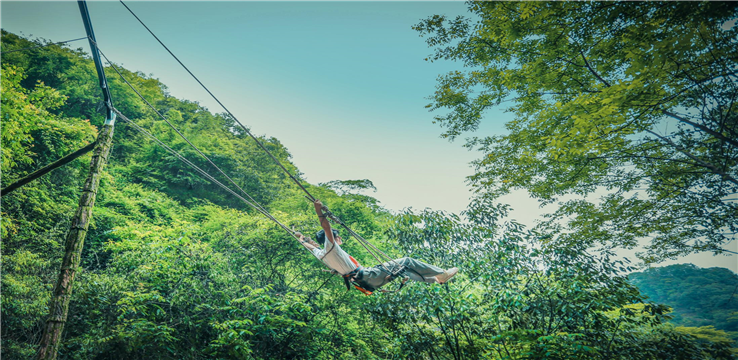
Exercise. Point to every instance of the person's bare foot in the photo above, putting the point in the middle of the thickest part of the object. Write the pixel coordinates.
(447, 274)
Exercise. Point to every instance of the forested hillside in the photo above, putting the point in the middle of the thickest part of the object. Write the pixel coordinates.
(173, 267)
(698, 297)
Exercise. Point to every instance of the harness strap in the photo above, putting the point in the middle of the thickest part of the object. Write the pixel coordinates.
(365, 291)
(351, 277)
(402, 284)
(393, 275)
(355, 278)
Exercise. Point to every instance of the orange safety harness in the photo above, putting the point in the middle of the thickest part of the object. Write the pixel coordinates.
(355, 278)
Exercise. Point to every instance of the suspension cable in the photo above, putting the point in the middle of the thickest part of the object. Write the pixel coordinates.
(363, 241)
(258, 142)
(262, 209)
(203, 172)
(261, 145)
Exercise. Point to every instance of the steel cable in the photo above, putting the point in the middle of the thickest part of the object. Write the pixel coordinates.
(178, 132)
(202, 172)
(211, 178)
(261, 145)
(363, 241)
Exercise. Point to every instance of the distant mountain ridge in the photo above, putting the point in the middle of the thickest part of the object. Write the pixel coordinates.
(698, 296)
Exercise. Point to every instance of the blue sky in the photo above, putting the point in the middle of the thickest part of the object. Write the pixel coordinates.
(343, 85)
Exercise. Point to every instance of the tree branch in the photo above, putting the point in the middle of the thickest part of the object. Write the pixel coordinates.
(586, 63)
(699, 161)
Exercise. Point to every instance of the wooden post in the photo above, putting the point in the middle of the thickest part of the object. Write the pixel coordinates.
(59, 304)
(42, 171)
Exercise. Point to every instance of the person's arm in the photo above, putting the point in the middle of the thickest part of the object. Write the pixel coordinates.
(306, 241)
(323, 220)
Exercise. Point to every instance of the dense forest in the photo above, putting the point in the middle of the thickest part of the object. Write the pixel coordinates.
(174, 267)
(698, 297)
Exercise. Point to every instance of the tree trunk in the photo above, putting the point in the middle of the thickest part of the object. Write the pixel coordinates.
(59, 304)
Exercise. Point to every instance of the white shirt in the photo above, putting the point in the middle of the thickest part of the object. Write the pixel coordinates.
(336, 259)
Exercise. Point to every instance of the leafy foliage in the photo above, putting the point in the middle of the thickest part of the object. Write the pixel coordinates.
(517, 301)
(351, 190)
(633, 100)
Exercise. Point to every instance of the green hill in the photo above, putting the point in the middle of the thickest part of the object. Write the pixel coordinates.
(698, 297)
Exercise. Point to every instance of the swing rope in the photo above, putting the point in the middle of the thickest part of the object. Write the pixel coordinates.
(215, 181)
(364, 243)
(253, 202)
(203, 172)
(258, 142)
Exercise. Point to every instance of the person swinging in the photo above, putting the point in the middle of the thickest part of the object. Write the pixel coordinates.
(367, 279)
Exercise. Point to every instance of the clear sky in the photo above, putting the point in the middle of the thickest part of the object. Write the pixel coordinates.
(343, 85)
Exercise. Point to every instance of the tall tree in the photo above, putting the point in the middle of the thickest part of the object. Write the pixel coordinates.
(635, 101)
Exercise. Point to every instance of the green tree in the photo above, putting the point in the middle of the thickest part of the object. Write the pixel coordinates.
(636, 99)
(34, 218)
(666, 341)
(698, 297)
(352, 190)
(522, 298)
(31, 134)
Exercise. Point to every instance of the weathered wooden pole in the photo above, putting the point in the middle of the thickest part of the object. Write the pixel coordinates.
(59, 304)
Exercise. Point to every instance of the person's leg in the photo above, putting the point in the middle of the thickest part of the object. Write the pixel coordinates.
(376, 276)
(415, 269)
(419, 270)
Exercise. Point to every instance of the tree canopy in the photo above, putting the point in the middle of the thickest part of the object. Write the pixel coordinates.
(624, 112)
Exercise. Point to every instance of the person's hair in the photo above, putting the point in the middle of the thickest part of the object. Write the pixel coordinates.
(320, 236)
